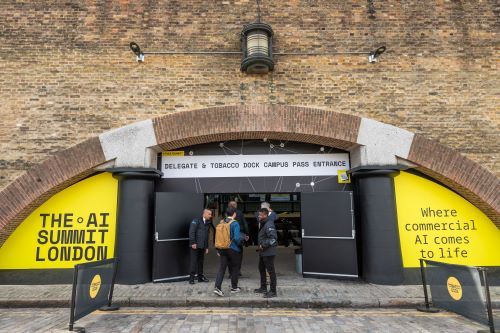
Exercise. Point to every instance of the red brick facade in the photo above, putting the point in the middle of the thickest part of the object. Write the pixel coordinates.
(327, 128)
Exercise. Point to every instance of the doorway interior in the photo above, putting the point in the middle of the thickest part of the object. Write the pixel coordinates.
(288, 227)
(319, 224)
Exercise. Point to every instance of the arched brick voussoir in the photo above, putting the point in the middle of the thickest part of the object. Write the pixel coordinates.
(466, 177)
(39, 183)
(251, 122)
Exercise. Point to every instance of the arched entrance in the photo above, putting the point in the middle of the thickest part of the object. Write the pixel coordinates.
(306, 185)
(372, 145)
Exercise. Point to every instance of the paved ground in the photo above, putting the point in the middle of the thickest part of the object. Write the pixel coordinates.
(293, 291)
(222, 320)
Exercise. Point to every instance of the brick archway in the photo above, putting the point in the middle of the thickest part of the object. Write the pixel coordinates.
(373, 142)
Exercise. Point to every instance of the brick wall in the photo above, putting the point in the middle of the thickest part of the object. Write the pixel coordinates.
(68, 74)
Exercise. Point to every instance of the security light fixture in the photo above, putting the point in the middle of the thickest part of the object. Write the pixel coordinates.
(256, 47)
(373, 55)
(137, 51)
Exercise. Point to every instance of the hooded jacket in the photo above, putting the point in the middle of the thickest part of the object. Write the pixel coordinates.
(268, 238)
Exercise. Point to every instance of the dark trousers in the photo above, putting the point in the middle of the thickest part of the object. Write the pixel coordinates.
(267, 264)
(228, 258)
(240, 261)
(196, 266)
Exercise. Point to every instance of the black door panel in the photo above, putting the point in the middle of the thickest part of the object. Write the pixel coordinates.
(173, 215)
(328, 235)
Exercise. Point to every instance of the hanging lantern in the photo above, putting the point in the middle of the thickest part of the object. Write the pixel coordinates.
(256, 47)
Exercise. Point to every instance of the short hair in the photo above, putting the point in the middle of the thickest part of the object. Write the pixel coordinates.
(264, 210)
(230, 211)
(265, 205)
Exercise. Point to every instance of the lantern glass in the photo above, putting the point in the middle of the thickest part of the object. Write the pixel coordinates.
(256, 47)
(257, 43)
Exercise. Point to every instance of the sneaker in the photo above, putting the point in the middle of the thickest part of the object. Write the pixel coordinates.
(235, 290)
(270, 294)
(260, 290)
(218, 292)
(202, 279)
(191, 281)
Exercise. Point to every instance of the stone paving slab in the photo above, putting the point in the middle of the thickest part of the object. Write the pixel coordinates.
(237, 319)
(293, 292)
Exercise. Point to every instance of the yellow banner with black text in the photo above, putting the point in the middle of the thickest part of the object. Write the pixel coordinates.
(74, 226)
(436, 223)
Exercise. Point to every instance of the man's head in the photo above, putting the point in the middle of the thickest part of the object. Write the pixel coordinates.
(263, 214)
(265, 205)
(232, 204)
(231, 212)
(207, 214)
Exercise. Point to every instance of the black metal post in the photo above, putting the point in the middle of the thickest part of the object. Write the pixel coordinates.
(491, 323)
(110, 307)
(426, 295)
(73, 296)
(113, 282)
(424, 283)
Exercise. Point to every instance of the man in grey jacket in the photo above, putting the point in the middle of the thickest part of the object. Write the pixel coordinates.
(268, 240)
(198, 241)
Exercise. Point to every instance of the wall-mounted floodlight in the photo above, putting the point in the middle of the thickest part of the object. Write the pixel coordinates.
(373, 55)
(137, 51)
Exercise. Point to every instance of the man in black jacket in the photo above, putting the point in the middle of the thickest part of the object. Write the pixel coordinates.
(198, 241)
(268, 240)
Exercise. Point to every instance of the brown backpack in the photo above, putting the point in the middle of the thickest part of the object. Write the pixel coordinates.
(223, 235)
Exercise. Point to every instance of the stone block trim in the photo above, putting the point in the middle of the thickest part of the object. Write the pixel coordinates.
(128, 144)
(38, 184)
(382, 143)
(186, 128)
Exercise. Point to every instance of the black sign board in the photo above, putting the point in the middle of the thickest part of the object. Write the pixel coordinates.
(92, 287)
(458, 288)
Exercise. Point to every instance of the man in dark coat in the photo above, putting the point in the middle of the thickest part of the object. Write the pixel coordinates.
(268, 240)
(198, 241)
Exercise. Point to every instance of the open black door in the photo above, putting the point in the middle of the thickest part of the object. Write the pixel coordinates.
(328, 235)
(173, 214)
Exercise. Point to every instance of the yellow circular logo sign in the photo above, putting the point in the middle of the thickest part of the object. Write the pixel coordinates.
(454, 288)
(95, 285)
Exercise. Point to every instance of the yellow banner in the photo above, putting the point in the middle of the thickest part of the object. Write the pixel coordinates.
(74, 226)
(173, 153)
(437, 224)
